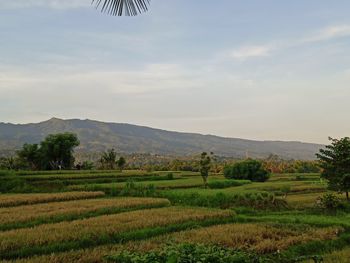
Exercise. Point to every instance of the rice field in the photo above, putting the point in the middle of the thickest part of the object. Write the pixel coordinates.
(29, 215)
(8, 200)
(84, 216)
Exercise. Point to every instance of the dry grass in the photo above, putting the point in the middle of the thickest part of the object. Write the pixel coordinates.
(103, 226)
(255, 237)
(8, 200)
(300, 201)
(27, 213)
(342, 256)
(260, 238)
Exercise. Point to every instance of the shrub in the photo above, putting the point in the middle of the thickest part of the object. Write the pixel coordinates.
(186, 253)
(247, 170)
(170, 176)
(328, 201)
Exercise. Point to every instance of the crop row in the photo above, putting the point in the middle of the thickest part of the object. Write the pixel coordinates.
(98, 230)
(30, 215)
(258, 238)
(8, 200)
(192, 182)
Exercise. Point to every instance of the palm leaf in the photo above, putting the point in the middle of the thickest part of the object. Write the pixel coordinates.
(122, 7)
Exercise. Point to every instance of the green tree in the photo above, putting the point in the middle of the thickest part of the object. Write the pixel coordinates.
(109, 159)
(57, 151)
(32, 155)
(121, 163)
(122, 7)
(335, 161)
(204, 167)
(247, 170)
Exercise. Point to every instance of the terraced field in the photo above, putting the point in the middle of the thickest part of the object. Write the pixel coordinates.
(274, 221)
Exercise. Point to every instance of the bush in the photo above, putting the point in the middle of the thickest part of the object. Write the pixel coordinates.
(329, 202)
(247, 170)
(186, 253)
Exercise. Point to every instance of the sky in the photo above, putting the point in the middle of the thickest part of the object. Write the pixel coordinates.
(265, 70)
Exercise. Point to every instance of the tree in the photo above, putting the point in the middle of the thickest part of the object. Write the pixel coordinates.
(109, 159)
(32, 155)
(335, 161)
(121, 163)
(121, 7)
(204, 167)
(57, 151)
(247, 170)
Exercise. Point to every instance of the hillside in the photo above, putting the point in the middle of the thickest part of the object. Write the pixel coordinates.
(98, 136)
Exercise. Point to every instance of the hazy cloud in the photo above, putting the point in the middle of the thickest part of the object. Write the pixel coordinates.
(250, 52)
(57, 4)
(329, 33)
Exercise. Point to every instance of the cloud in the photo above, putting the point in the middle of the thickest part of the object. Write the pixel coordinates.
(247, 52)
(329, 33)
(56, 4)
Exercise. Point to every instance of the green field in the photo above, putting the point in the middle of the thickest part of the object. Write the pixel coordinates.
(84, 216)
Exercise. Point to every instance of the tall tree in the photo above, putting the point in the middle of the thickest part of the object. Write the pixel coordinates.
(121, 163)
(109, 159)
(335, 161)
(32, 155)
(204, 167)
(122, 7)
(57, 150)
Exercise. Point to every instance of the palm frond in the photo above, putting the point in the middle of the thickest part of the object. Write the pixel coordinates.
(122, 7)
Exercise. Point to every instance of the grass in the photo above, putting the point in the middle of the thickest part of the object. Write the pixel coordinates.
(32, 215)
(256, 238)
(223, 198)
(9, 200)
(96, 231)
(192, 182)
(85, 229)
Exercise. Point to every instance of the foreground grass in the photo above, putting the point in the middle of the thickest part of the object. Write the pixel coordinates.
(8, 200)
(31, 215)
(256, 238)
(64, 236)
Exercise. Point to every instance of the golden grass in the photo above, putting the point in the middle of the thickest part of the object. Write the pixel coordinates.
(102, 226)
(8, 200)
(300, 201)
(341, 256)
(260, 238)
(76, 207)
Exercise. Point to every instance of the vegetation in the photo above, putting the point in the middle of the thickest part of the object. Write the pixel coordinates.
(54, 153)
(205, 165)
(247, 170)
(335, 161)
(31, 215)
(288, 218)
(97, 231)
(29, 199)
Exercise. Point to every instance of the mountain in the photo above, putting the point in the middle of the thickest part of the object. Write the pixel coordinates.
(98, 136)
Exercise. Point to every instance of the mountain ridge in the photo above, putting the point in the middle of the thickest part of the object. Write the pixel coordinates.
(98, 136)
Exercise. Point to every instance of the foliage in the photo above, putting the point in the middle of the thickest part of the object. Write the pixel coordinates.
(335, 161)
(329, 202)
(109, 159)
(190, 253)
(275, 164)
(55, 152)
(247, 170)
(121, 163)
(121, 7)
(205, 165)
(254, 199)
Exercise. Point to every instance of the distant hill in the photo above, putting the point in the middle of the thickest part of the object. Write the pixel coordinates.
(98, 136)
